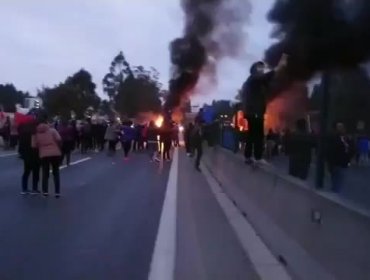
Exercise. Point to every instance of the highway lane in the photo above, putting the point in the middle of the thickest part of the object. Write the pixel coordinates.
(104, 226)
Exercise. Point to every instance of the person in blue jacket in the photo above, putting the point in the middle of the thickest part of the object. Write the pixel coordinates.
(128, 135)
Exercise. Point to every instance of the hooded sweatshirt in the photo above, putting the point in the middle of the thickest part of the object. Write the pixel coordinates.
(255, 92)
(47, 140)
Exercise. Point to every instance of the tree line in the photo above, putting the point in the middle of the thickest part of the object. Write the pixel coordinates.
(129, 90)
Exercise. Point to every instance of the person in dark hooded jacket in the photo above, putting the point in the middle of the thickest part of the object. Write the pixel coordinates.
(30, 157)
(254, 97)
(66, 132)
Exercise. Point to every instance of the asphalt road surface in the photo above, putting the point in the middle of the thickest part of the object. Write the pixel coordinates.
(107, 224)
(103, 227)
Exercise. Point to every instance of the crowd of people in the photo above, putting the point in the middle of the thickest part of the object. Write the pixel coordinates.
(9, 133)
(157, 141)
(44, 146)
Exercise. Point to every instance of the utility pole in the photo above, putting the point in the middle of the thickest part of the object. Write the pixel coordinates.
(324, 129)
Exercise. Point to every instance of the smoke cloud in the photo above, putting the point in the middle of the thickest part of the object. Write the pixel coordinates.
(214, 29)
(320, 34)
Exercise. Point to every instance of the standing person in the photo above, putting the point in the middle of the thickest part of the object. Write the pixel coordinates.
(255, 92)
(135, 142)
(95, 136)
(101, 128)
(13, 134)
(187, 138)
(144, 135)
(301, 145)
(128, 135)
(338, 157)
(66, 132)
(6, 133)
(166, 140)
(30, 157)
(363, 150)
(152, 141)
(175, 135)
(111, 137)
(141, 137)
(48, 142)
(197, 141)
(77, 129)
(86, 141)
(270, 143)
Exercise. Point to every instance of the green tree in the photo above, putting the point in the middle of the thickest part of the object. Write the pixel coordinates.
(119, 70)
(105, 108)
(10, 96)
(76, 94)
(139, 92)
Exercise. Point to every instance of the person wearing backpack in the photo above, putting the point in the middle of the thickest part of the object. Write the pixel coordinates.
(48, 141)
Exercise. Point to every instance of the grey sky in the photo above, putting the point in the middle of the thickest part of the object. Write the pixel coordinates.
(43, 41)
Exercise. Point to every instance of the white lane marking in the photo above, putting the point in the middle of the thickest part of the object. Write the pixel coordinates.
(8, 155)
(266, 265)
(162, 266)
(76, 162)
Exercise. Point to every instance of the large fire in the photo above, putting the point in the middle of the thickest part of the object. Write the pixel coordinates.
(283, 111)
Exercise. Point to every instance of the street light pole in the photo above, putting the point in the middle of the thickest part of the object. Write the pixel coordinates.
(324, 129)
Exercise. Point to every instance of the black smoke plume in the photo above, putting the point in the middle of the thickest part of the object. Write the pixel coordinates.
(320, 34)
(214, 29)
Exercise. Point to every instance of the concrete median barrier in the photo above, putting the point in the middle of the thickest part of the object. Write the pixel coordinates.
(315, 234)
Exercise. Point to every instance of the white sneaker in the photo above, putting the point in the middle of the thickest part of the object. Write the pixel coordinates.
(262, 162)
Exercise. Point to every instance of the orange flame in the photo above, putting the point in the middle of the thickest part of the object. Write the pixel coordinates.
(159, 121)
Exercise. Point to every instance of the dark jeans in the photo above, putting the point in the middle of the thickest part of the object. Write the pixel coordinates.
(13, 141)
(67, 148)
(166, 150)
(86, 144)
(126, 147)
(337, 174)
(199, 152)
(299, 167)
(188, 147)
(112, 146)
(254, 145)
(31, 166)
(101, 144)
(54, 163)
(152, 149)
